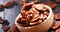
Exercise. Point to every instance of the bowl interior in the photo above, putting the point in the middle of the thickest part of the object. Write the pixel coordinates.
(50, 10)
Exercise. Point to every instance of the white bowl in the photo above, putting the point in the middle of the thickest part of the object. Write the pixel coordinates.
(42, 27)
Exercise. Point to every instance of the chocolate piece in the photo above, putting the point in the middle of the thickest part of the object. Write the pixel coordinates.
(35, 23)
(1, 7)
(58, 30)
(39, 7)
(27, 6)
(46, 13)
(9, 5)
(57, 16)
(52, 5)
(35, 20)
(44, 17)
(56, 25)
(41, 16)
(45, 9)
(57, 0)
(5, 27)
(5, 21)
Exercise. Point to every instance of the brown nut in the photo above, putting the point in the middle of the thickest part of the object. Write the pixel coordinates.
(27, 6)
(46, 13)
(48, 3)
(58, 30)
(39, 7)
(57, 16)
(9, 5)
(41, 16)
(34, 19)
(52, 5)
(56, 25)
(35, 23)
(44, 8)
(1, 7)
(44, 17)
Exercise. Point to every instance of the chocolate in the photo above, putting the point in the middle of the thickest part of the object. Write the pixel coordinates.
(56, 25)
(9, 5)
(26, 6)
(57, 16)
(5, 27)
(57, 30)
(35, 23)
(1, 7)
(5, 21)
(46, 13)
(52, 5)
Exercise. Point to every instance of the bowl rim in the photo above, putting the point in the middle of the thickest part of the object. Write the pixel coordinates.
(50, 10)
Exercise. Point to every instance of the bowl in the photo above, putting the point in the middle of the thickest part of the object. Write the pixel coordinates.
(42, 27)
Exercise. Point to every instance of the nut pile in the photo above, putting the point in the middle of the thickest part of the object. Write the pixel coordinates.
(33, 14)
